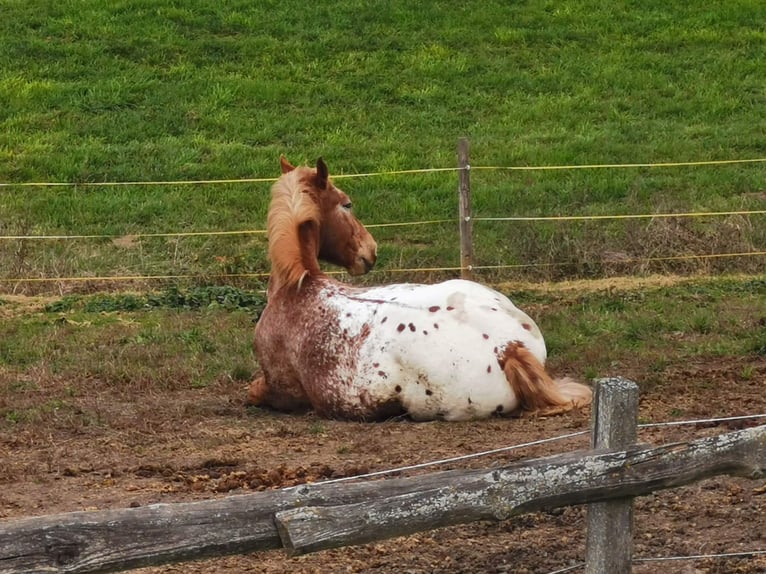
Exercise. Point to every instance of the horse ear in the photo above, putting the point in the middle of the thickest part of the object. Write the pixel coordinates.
(322, 173)
(285, 165)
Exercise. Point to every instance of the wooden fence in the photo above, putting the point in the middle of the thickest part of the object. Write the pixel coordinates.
(314, 517)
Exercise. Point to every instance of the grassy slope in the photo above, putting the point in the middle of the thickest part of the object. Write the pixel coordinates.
(165, 91)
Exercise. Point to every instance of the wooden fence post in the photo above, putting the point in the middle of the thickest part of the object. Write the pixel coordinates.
(609, 544)
(466, 224)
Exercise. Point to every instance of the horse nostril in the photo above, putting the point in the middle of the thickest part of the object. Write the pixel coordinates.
(367, 264)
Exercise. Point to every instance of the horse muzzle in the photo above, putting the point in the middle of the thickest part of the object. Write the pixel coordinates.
(362, 265)
(365, 258)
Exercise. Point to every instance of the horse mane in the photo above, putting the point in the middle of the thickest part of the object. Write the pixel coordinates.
(293, 213)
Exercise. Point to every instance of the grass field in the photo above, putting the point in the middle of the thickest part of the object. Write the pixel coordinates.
(175, 340)
(117, 392)
(160, 91)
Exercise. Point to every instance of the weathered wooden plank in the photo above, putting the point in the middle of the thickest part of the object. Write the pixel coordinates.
(453, 498)
(115, 540)
(112, 540)
(609, 543)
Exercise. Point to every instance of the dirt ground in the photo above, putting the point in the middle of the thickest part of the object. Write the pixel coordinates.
(203, 443)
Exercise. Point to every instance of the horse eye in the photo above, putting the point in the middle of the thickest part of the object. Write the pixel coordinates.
(348, 205)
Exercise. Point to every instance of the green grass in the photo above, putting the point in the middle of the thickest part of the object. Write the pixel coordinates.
(55, 355)
(659, 326)
(162, 350)
(142, 91)
(172, 297)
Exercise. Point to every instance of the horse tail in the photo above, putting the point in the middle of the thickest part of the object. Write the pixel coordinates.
(536, 390)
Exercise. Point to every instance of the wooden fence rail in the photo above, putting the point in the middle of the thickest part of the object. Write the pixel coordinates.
(309, 517)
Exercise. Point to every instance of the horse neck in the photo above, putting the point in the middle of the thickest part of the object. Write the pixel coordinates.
(294, 256)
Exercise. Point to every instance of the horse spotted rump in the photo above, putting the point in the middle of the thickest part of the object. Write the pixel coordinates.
(456, 350)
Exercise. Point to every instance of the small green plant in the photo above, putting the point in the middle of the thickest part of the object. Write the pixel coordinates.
(64, 304)
(702, 322)
(54, 405)
(149, 335)
(13, 416)
(198, 341)
(658, 364)
(22, 386)
(241, 374)
(758, 344)
(591, 373)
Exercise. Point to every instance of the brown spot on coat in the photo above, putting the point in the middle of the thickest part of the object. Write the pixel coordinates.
(450, 308)
(429, 392)
(400, 328)
(434, 308)
(485, 335)
(489, 368)
(527, 326)
(412, 327)
(398, 388)
(382, 374)
(384, 320)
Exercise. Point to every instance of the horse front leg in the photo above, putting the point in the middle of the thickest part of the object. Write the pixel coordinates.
(256, 395)
(281, 395)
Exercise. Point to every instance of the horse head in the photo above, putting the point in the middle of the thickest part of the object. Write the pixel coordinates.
(306, 198)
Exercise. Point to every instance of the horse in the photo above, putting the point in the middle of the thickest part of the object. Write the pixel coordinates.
(451, 351)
